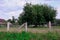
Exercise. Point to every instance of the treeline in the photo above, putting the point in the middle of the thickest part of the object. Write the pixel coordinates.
(37, 14)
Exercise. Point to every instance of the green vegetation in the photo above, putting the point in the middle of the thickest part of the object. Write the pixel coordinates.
(29, 36)
(12, 20)
(37, 14)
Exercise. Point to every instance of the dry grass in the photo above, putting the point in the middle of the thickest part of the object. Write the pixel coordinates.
(33, 30)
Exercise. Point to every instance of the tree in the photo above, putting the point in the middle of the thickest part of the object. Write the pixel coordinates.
(49, 13)
(57, 21)
(9, 20)
(37, 14)
(13, 20)
(27, 15)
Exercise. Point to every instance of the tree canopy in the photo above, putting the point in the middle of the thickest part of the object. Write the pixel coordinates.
(37, 14)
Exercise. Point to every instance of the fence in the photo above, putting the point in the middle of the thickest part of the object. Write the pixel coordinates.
(25, 26)
(13, 27)
(17, 28)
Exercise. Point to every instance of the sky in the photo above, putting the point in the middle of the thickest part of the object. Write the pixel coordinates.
(9, 8)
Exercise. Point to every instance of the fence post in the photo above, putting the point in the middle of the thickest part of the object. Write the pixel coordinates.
(49, 25)
(26, 26)
(8, 25)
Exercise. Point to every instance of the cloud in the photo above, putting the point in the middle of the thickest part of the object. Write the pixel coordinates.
(58, 13)
(15, 13)
(9, 8)
(9, 15)
(10, 5)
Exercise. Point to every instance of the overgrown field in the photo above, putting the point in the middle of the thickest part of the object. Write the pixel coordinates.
(29, 36)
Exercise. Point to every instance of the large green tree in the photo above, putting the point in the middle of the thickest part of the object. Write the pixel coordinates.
(49, 13)
(37, 14)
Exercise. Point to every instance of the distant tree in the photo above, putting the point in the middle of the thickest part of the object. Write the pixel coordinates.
(13, 20)
(57, 21)
(9, 20)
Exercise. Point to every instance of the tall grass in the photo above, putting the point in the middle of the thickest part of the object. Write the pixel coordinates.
(29, 36)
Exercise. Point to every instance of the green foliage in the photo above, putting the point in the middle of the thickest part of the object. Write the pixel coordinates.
(57, 22)
(52, 36)
(29, 36)
(13, 20)
(14, 36)
(9, 20)
(37, 14)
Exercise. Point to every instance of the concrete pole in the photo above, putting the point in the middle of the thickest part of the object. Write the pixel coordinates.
(8, 24)
(26, 26)
(49, 25)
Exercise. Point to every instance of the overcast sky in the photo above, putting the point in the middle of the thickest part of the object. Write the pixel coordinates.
(9, 8)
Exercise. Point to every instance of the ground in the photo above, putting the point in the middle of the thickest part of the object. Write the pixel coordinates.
(32, 34)
(33, 30)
